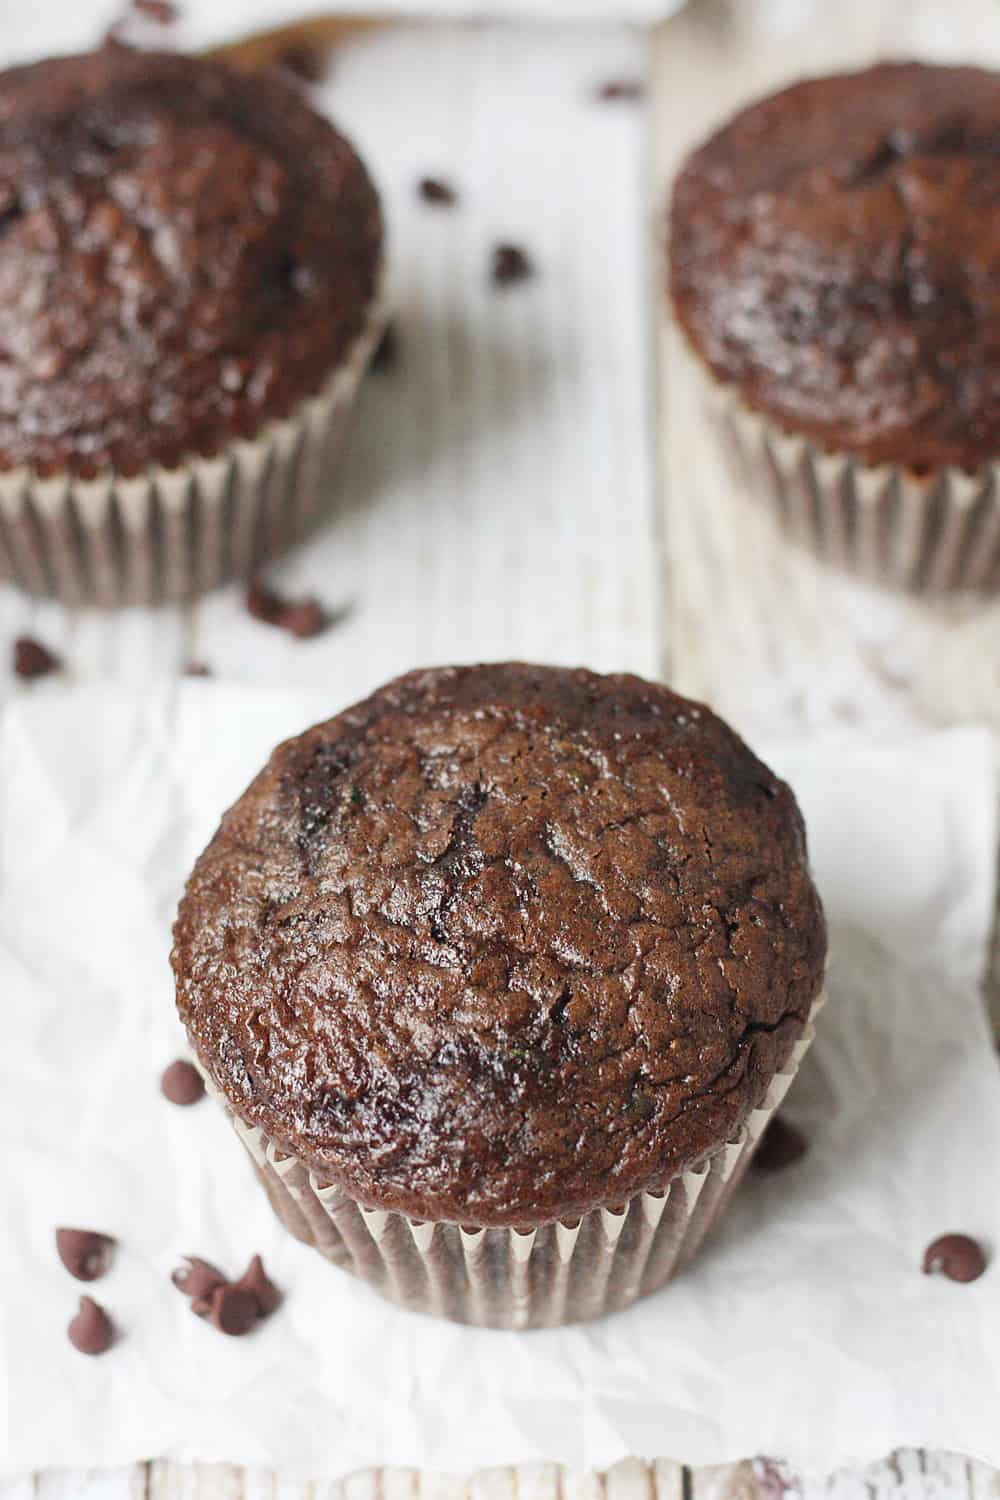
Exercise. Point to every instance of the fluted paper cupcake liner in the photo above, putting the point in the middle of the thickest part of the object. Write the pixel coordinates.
(928, 533)
(172, 534)
(506, 1278)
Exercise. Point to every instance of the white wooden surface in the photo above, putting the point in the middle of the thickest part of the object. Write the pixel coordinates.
(501, 481)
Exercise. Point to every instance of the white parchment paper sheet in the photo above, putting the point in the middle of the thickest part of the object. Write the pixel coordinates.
(806, 1328)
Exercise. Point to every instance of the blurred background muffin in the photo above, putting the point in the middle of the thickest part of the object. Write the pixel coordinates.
(190, 267)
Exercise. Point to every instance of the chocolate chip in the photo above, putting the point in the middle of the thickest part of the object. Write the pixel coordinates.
(781, 1146)
(310, 64)
(85, 1253)
(302, 618)
(32, 659)
(198, 1278)
(91, 1331)
(181, 1083)
(510, 264)
(163, 12)
(256, 1281)
(956, 1256)
(433, 190)
(386, 353)
(197, 669)
(620, 89)
(232, 1309)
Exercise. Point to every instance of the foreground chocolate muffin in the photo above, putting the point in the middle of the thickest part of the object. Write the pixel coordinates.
(190, 264)
(832, 269)
(500, 975)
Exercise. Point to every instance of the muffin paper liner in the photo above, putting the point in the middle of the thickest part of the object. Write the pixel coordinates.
(171, 534)
(928, 533)
(507, 1278)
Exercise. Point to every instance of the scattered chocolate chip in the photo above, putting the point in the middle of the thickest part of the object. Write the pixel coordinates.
(256, 1281)
(231, 1309)
(956, 1256)
(386, 353)
(781, 1146)
(510, 264)
(163, 12)
(85, 1253)
(624, 89)
(309, 64)
(300, 617)
(198, 1278)
(433, 190)
(181, 1083)
(32, 659)
(91, 1331)
(197, 669)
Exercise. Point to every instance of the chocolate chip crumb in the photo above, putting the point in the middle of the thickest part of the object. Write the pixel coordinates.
(32, 659)
(181, 1083)
(197, 669)
(197, 1278)
(386, 354)
(232, 1309)
(256, 1281)
(85, 1253)
(91, 1331)
(781, 1146)
(163, 12)
(956, 1256)
(620, 89)
(433, 190)
(300, 617)
(510, 264)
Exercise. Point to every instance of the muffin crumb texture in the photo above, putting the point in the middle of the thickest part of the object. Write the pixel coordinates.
(502, 944)
(833, 256)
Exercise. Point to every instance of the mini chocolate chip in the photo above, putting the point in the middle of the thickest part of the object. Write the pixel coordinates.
(198, 1278)
(32, 659)
(233, 1310)
(163, 12)
(304, 619)
(510, 263)
(197, 669)
(433, 190)
(781, 1146)
(626, 89)
(310, 64)
(386, 353)
(91, 1331)
(85, 1253)
(256, 1281)
(181, 1083)
(263, 603)
(956, 1256)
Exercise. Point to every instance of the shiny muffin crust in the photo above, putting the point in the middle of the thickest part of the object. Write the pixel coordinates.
(502, 944)
(185, 253)
(834, 256)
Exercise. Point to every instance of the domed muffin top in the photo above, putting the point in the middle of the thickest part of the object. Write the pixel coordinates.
(502, 944)
(185, 252)
(835, 253)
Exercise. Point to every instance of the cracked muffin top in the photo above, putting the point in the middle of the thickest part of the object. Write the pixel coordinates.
(502, 944)
(832, 256)
(185, 253)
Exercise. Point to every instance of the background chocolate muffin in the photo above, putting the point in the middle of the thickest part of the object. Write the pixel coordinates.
(504, 949)
(832, 270)
(189, 280)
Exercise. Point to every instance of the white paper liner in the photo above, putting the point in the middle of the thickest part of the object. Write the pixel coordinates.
(930, 533)
(504, 1278)
(171, 534)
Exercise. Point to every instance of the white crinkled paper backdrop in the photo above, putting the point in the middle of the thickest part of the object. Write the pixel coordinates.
(805, 1328)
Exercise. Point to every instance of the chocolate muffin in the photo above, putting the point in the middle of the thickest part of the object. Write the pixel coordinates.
(500, 974)
(190, 262)
(832, 271)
